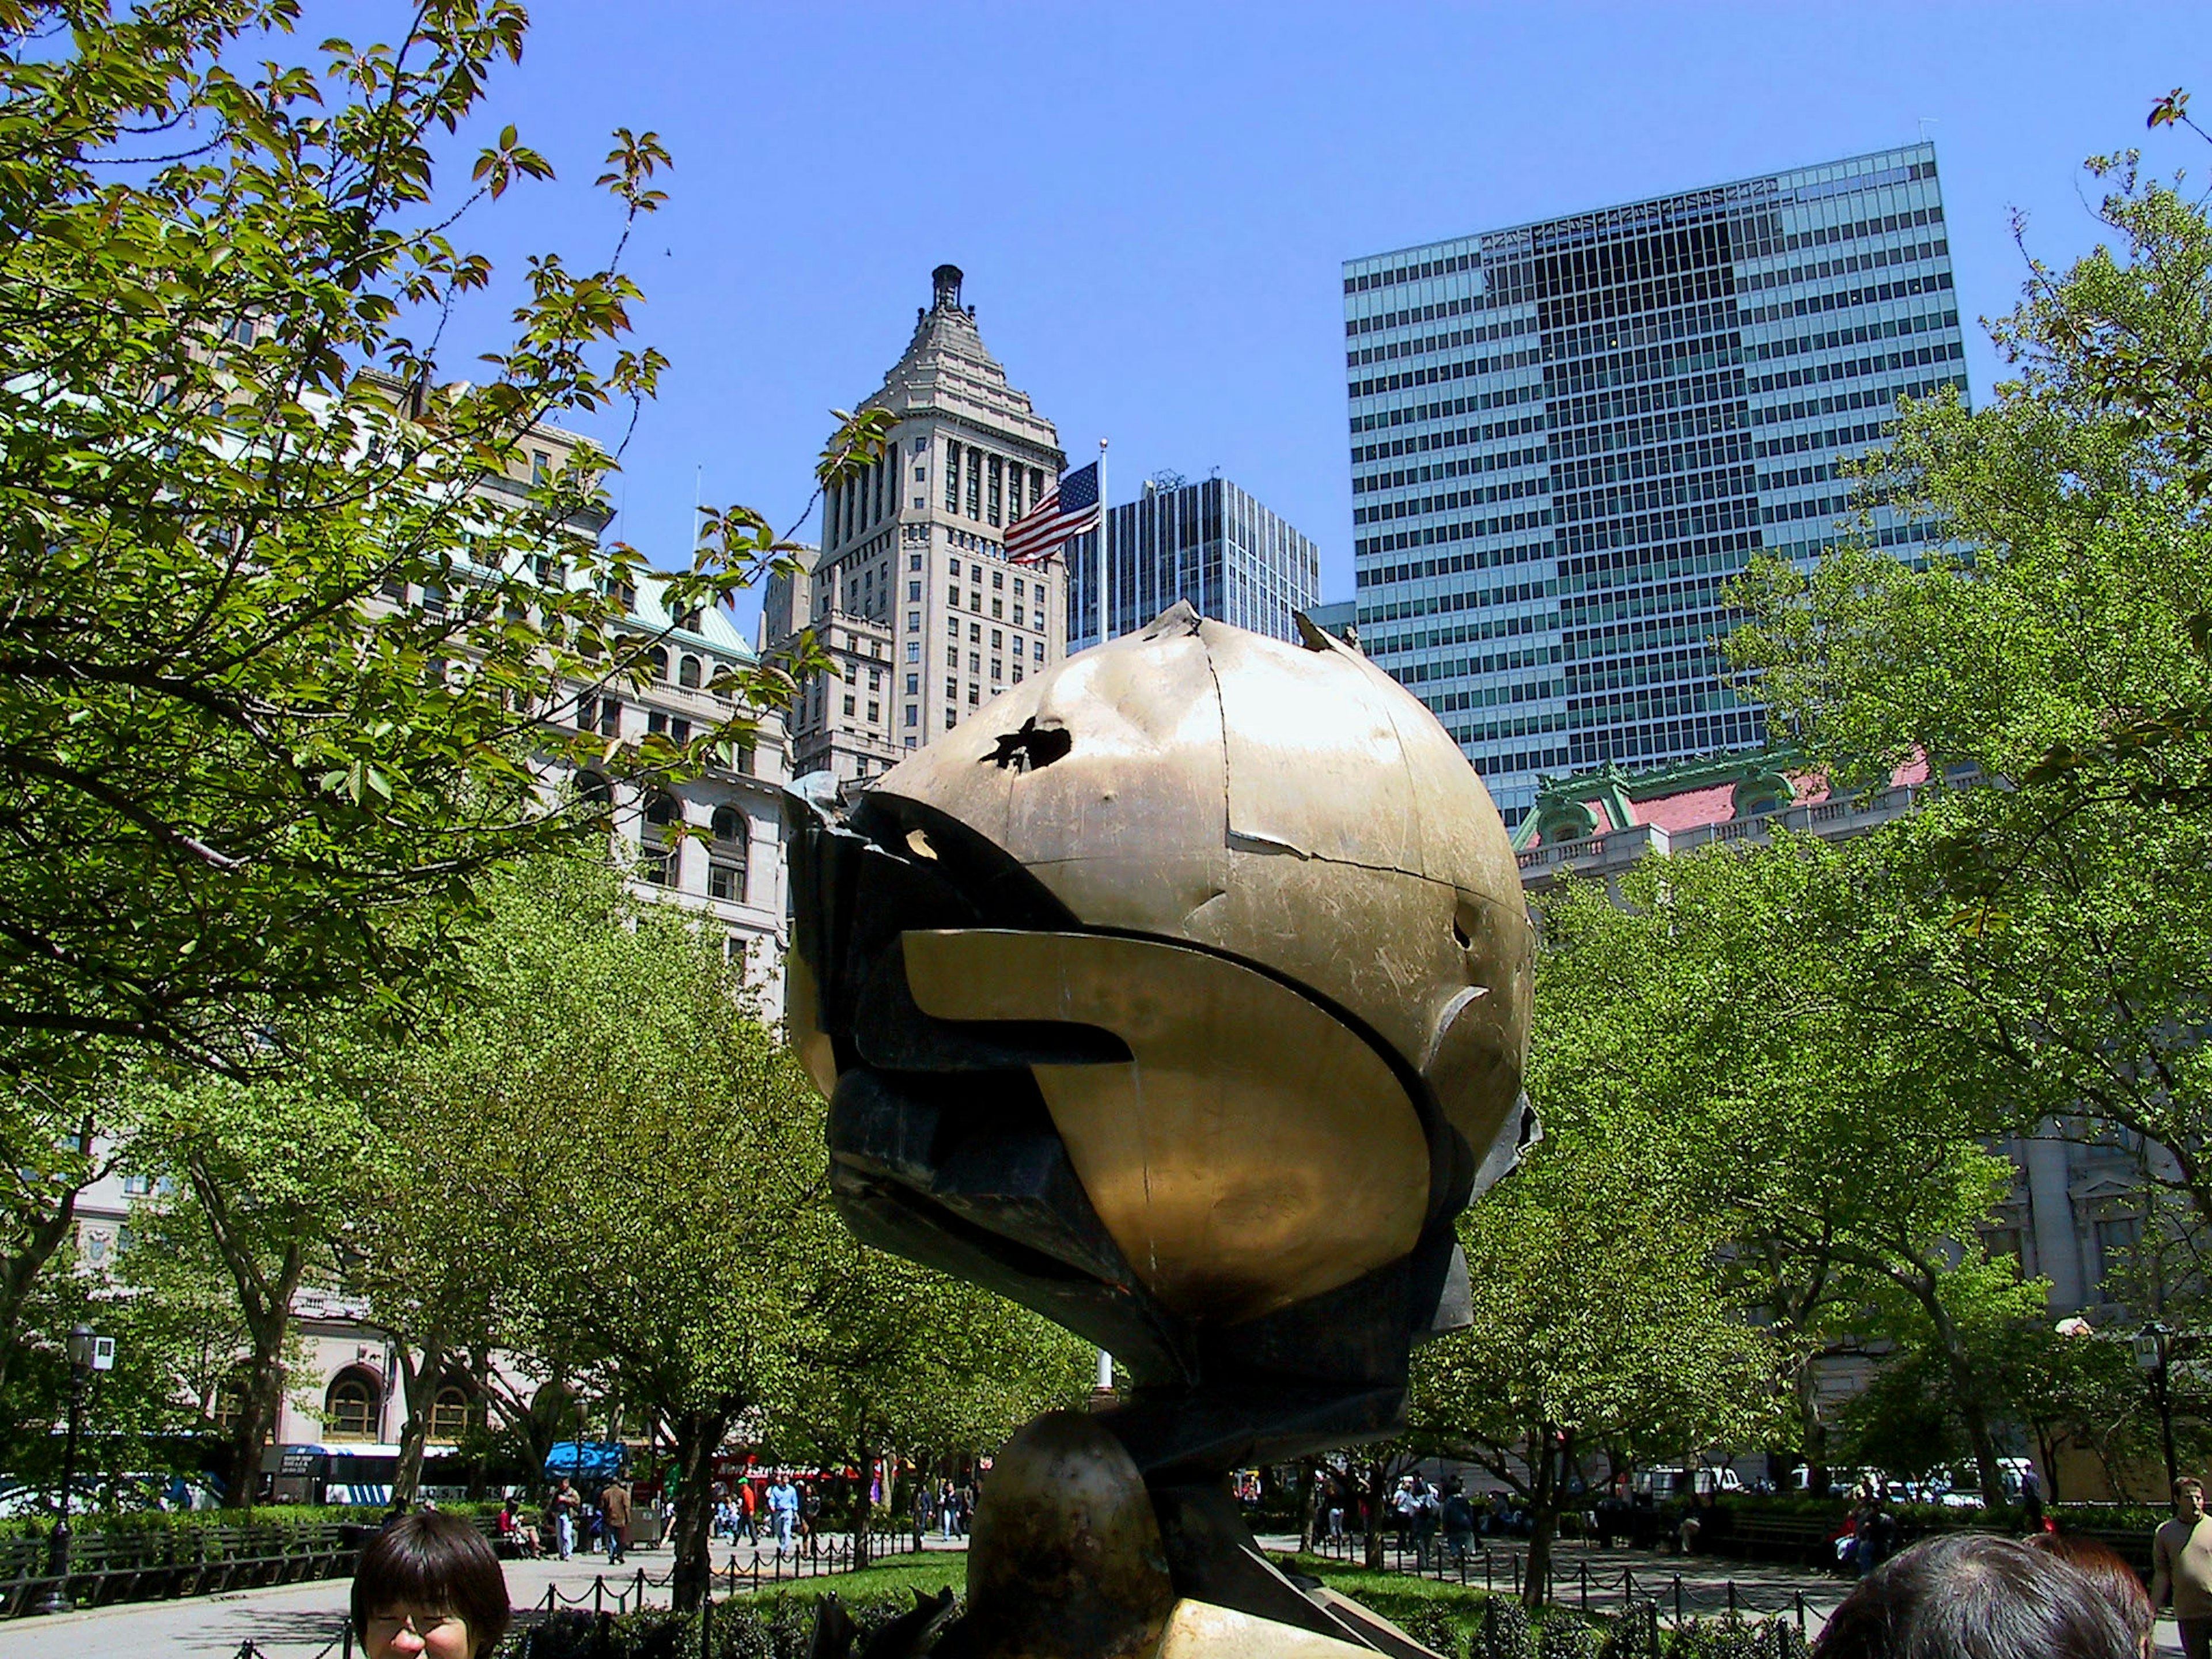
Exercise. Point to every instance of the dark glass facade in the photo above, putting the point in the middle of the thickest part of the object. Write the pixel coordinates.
(1566, 437)
(1207, 542)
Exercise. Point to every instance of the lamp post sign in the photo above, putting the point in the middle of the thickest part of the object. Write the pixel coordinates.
(2154, 1347)
(87, 1353)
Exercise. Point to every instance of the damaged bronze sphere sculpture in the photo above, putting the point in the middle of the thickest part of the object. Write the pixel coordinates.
(1183, 996)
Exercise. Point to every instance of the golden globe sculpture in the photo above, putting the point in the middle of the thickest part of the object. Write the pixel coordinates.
(1181, 995)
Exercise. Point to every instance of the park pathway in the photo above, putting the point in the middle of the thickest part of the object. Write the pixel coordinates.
(302, 1621)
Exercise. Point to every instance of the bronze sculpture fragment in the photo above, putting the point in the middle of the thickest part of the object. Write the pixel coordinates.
(1181, 995)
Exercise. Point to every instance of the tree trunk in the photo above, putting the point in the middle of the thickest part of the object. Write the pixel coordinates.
(1812, 1430)
(421, 1377)
(1376, 1489)
(1308, 1496)
(1966, 1383)
(1543, 1518)
(698, 1437)
(265, 1304)
(864, 1506)
(264, 1386)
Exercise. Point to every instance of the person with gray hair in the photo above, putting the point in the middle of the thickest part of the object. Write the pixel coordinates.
(1972, 1596)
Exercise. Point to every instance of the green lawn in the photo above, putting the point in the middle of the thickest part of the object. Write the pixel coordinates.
(927, 1573)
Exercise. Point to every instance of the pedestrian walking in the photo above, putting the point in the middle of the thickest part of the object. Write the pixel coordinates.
(1458, 1518)
(2181, 1563)
(615, 1507)
(782, 1511)
(1428, 1508)
(567, 1503)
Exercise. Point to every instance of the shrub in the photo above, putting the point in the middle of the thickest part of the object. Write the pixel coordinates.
(1566, 1636)
(1502, 1632)
(1634, 1635)
(777, 1626)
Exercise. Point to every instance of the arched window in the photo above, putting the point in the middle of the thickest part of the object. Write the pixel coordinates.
(658, 658)
(349, 1407)
(687, 671)
(657, 856)
(592, 787)
(449, 1413)
(730, 824)
(229, 1401)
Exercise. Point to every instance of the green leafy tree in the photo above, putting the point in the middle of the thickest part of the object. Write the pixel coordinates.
(275, 1169)
(642, 1179)
(236, 780)
(1601, 1317)
(901, 1360)
(1718, 993)
(55, 1140)
(2048, 938)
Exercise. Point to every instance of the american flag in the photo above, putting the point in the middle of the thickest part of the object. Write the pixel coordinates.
(1069, 508)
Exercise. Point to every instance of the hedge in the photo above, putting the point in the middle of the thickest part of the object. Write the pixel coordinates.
(1456, 1623)
(264, 1518)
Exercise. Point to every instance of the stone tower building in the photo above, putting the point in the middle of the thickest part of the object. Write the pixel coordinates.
(910, 592)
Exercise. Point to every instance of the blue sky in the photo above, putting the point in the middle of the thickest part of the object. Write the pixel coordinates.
(1151, 202)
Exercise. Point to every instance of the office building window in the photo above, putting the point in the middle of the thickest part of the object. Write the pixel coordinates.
(913, 718)
(725, 881)
(951, 475)
(975, 483)
(991, 513)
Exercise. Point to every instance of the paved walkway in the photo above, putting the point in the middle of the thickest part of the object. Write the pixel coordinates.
(300, 1621)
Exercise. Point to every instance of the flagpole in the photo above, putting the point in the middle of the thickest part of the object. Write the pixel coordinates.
(1105, 570)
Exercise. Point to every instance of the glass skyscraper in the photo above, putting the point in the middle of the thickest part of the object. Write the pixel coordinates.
(1207, 542)
(1567, 436)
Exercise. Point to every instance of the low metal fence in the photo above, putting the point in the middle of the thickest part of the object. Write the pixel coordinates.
(1675, 1597)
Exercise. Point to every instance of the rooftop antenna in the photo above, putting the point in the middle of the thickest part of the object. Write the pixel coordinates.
(1926, 122)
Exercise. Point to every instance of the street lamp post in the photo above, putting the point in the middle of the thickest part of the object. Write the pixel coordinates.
(2154, 1353)
(82, 1347)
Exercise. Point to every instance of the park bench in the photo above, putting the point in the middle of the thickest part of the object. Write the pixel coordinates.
(1803, 1541)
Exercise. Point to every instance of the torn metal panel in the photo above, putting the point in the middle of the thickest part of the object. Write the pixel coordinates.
(1252, 1153)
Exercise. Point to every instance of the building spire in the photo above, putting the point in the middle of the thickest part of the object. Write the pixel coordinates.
(947, 281)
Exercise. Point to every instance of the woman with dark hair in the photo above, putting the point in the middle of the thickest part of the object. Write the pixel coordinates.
(2114, 1578)
(1969, 1595)
(429, 1586)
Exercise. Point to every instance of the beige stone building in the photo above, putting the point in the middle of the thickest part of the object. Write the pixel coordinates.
(910, 592)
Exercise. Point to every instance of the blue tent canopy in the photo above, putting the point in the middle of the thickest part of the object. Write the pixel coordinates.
(582, 1458)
